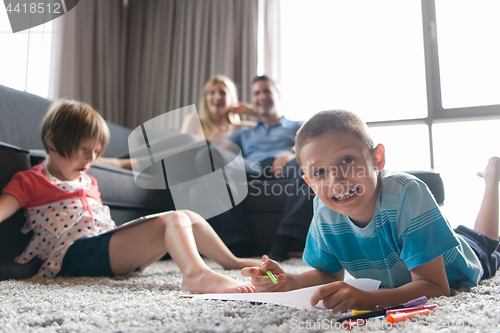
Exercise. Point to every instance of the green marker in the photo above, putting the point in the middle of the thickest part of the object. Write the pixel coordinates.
(271, 276)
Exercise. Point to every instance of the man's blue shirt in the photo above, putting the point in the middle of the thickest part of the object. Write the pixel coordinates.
(263, 141)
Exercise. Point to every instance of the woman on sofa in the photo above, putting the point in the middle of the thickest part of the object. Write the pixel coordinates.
(219, 112)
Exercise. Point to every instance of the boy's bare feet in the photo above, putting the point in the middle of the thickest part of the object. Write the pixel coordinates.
(210, 282)
(488, 216)
(492, 171)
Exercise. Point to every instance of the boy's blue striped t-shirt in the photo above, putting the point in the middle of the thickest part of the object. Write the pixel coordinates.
(406, 231)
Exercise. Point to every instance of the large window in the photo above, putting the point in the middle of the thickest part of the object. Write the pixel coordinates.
(461, 149)
(468, 35)
(355, 55)
(424, 74)
(25, 59)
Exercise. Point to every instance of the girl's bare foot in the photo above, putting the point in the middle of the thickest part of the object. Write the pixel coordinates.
(492, 171)
(210, 282)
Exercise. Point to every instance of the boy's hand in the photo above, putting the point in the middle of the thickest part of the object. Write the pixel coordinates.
(428, 280)
(340, 296)
(261, 281)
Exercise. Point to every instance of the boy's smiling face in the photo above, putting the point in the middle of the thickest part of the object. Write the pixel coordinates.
(343, 173)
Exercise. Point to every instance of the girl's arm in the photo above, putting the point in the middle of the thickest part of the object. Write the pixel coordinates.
(8, 206)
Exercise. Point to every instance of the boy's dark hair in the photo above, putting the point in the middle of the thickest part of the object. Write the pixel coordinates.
(332, 120)
(71, 122)
(265, 78)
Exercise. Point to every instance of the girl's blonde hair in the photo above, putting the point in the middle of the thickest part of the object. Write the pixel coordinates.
(71, 122)
(232, 98)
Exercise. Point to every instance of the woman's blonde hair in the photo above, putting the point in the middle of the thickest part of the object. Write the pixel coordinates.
(71, 122)
(205, 115)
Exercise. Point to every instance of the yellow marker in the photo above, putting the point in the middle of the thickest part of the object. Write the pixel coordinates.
(271, 276)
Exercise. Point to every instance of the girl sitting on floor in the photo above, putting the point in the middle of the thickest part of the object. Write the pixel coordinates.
(70, 223)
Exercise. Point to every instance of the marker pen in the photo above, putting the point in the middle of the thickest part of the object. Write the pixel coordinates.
(420, 307)
(402, 316)
(382, 311)
(271, 276)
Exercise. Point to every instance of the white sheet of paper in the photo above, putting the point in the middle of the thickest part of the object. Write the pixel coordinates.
(299, 298)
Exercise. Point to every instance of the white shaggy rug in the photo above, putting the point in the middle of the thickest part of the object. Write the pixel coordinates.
(149, 302)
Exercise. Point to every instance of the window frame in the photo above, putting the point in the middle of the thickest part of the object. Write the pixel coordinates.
(435, 111)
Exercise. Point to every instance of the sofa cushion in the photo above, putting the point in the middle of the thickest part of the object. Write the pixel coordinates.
(118, 145)
(22, 115)
(126, 200)
(119, 191)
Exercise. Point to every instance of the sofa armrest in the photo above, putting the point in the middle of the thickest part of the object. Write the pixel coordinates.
(433, 181)
(12, 240)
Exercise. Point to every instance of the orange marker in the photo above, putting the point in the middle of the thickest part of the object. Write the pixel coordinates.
(402, 316)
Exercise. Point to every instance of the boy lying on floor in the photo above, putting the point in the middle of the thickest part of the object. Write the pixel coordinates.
(379, 225)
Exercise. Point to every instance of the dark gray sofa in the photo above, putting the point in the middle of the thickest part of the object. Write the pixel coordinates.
(20, 147)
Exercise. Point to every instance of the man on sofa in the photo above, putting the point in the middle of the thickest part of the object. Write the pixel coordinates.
(269, 148)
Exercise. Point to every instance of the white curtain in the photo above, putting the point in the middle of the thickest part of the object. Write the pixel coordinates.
(91, 59)
(272, 39)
